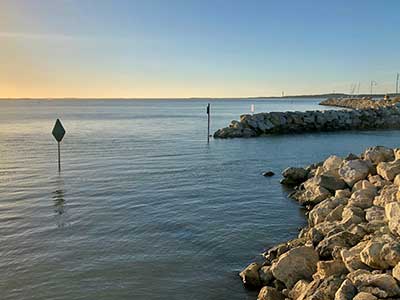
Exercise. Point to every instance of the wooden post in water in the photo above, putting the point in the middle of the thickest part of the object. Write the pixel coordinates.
(58, 133)
(208, 127)
(59, 157)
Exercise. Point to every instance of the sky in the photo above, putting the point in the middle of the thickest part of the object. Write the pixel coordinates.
(196, 48)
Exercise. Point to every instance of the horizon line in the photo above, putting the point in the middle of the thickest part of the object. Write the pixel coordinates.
(194, 98)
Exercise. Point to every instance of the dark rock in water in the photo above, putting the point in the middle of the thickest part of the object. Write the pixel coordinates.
(294, 176)
(268, 174)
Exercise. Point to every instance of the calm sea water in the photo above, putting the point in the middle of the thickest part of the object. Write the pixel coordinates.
(144, 208)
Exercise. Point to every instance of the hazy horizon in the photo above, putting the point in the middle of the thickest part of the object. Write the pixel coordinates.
(196, 49)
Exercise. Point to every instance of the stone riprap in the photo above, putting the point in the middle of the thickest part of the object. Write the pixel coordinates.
(359, 103)
(350, 248)
(297, 122)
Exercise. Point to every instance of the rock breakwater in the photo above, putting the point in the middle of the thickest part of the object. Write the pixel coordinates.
(297, 122)
(359, 103)
(350, 248)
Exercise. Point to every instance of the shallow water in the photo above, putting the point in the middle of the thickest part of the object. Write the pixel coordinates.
(144, 208)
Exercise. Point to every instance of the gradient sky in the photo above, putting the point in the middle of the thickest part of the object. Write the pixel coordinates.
(184, 48)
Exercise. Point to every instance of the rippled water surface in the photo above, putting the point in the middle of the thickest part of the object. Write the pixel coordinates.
(144, 208)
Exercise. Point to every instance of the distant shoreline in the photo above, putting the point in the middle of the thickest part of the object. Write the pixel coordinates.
(317, 96)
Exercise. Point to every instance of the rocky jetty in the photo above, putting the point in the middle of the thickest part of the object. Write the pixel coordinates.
(297, 122)
(350, 248)
(359, 103)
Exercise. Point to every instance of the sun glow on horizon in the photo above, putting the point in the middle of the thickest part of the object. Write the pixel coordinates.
(137, 49)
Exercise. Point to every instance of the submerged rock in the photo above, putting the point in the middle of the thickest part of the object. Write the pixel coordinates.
(268, 174)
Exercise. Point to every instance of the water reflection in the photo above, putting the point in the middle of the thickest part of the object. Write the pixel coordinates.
(58, 197)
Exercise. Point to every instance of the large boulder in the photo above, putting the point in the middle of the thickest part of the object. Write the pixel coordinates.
(326, 289)
(396, 272)
(363, 198)
(329, 268)
(343, 193)
(381, 253)
(364, 184)
(265, 275)
(346, 291)
(351, 257)
(378, 181)
(343, 239)
(392, 212)
(312, 193)
(331, 183)
(332, 164)
(353, 171)
(352, 215)
(296, 264)
(388, 170)
(300, 288)
(294, 176)
(250, 276)
(388, 194)
(375, 213)
(270, 293)
(380, 285)
(378, 154)
(319, 213)
(365, 296)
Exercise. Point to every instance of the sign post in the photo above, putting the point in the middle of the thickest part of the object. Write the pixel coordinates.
(208, 128)
(58, 133)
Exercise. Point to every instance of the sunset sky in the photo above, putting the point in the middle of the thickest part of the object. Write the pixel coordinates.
(183, 48)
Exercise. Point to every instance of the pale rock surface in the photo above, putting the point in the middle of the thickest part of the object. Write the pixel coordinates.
(343, 193)
(343, 239)
(396, 272)
(378, 154)
(381, 253)
(328, 268)
(270, 293)
(332, 164)
(380, 285)
(388, 170)
(363, 198)
(365, 296)
(353, 171)
(346, 291)
(298, 263)
(299, 288)
(388, 194)
(375, 213)
(378, 181)
(351, 257)
(392, 212)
